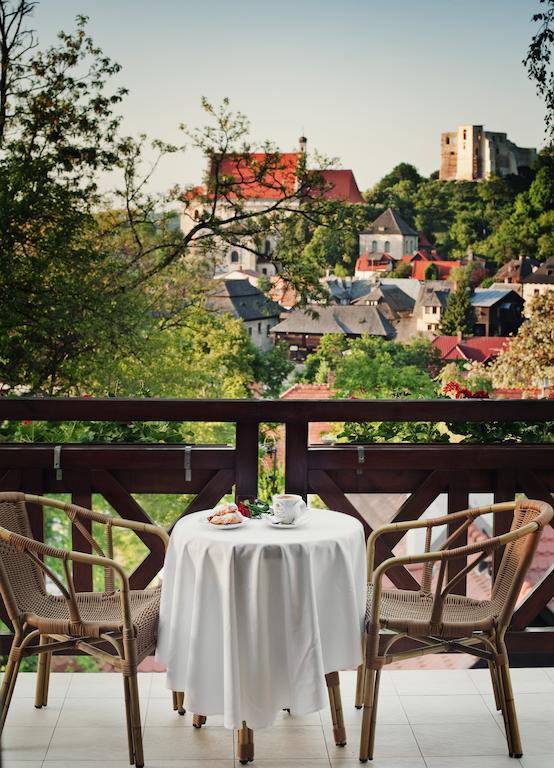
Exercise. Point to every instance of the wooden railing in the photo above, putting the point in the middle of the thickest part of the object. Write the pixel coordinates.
(424, 471)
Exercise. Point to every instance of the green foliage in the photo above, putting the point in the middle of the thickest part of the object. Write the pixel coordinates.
(539, 61)
(372, 367)
(458, 315)
(500, 432)
(271, 368)
(401, 270)
(528, 361)
(392, 432)
(93, 432)
(432, 272)
(307, 248)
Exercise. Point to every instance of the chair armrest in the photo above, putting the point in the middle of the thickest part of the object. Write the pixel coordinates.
(431, 522)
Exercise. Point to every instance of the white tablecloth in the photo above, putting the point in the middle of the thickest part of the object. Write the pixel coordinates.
(251, 619)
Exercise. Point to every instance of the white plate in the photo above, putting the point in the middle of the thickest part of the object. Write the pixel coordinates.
(229, 526)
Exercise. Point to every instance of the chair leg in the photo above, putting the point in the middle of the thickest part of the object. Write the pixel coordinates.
(135, 720)
(359, 700)
(371, 690)
(8, 683)
(374, 714)
(129, 719)
(333, 689)
(43, 675)
(245, 744)
(199, 720)
(509, 711)
(494, 679)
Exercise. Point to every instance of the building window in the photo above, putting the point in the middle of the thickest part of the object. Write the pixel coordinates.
(448, 139)
(435, 310)
(268, 329)
(264, 270)
(234, 257)
(387, 246)
(267, 247)
(465, 134)
(374, 246)
(249, 331)
(196, 215)
(259, 328)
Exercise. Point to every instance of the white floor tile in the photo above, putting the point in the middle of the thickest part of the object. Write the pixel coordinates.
(492, 761)
(446, 709)
(97, 713)
(294, 743)
(463, 739)
(103, 685)
(382, 762)
(537, 738)
(188, 743)
(7, 763)
(523, 680)
(23, 712)
(390, 741)
(434, 682)
(25, 742)
(536, 761)
(389, 711)
(26, 683)
(160, 713)
(88, 743)
(529, 706)
(299, 763)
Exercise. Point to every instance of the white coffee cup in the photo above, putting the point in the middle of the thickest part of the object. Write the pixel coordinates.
(288, 507)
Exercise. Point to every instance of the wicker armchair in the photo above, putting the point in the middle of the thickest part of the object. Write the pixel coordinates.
(117, 626)
(442, 622)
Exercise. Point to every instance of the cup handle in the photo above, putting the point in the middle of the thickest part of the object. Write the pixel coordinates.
(301, 507)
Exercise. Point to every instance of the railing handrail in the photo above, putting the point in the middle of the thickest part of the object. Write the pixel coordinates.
(162, 409)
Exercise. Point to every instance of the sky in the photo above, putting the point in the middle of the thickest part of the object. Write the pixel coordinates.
(371, 82)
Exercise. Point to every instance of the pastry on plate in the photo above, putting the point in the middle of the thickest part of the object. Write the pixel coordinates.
(223, 509)
(230, 518)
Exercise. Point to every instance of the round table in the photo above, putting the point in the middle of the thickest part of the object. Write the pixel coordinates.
(253, 618)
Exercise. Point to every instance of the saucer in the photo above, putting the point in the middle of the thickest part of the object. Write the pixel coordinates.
(274, 521)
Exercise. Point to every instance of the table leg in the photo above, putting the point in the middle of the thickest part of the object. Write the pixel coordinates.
(179, 702)
(333, 688)
(245, 743)
(199, 720)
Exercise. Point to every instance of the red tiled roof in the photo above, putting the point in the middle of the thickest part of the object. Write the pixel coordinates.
(344, 186)
(478, 348)
(444, 268)
(307, 392)
(373, 262)
(245, 169)
(281, 177)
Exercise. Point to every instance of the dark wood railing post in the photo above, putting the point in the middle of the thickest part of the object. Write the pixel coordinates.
(296, 458)
(458, 499)
(246, 467)
(82, 496)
